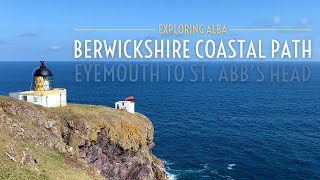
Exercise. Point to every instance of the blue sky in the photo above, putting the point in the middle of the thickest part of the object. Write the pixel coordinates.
(32, 30)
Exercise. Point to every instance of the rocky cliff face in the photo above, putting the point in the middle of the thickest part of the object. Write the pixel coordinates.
(75, 142)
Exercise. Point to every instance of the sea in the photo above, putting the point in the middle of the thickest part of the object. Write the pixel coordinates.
(212, 119)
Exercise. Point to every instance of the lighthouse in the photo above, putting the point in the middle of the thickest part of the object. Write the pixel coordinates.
(43, 91)
(42, 78)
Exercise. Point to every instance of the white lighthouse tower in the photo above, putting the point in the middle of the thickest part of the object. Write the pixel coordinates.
(43, 93)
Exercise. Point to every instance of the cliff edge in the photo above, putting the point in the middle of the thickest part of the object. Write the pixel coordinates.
(75, 142)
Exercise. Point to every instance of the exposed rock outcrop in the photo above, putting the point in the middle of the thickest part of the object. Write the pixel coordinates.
(82, 141)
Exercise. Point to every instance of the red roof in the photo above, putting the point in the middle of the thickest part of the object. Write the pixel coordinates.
(130, 98)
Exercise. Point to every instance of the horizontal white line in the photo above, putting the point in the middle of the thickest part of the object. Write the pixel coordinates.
(269, 29)
(114, 29)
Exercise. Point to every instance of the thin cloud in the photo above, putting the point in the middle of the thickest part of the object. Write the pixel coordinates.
(304, 23)
(2, 42)
(267, 23)
(55, 48)
(277, 20)
(27, 35)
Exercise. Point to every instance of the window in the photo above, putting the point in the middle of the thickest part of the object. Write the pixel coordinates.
(25, 98)
(48, 83)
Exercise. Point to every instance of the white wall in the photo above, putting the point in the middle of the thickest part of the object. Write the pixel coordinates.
(51, 100)
(55, 100)
(125, 105)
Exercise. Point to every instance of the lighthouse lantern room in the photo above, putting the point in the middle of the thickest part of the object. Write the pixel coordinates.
(43, 92)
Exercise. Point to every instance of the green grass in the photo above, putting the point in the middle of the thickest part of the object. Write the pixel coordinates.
(49, 162)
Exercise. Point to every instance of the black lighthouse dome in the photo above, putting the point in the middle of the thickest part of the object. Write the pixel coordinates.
(42, 78)
(42, 71)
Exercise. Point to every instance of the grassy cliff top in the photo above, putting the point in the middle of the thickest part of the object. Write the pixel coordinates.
(36, 142)
(130, 131)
